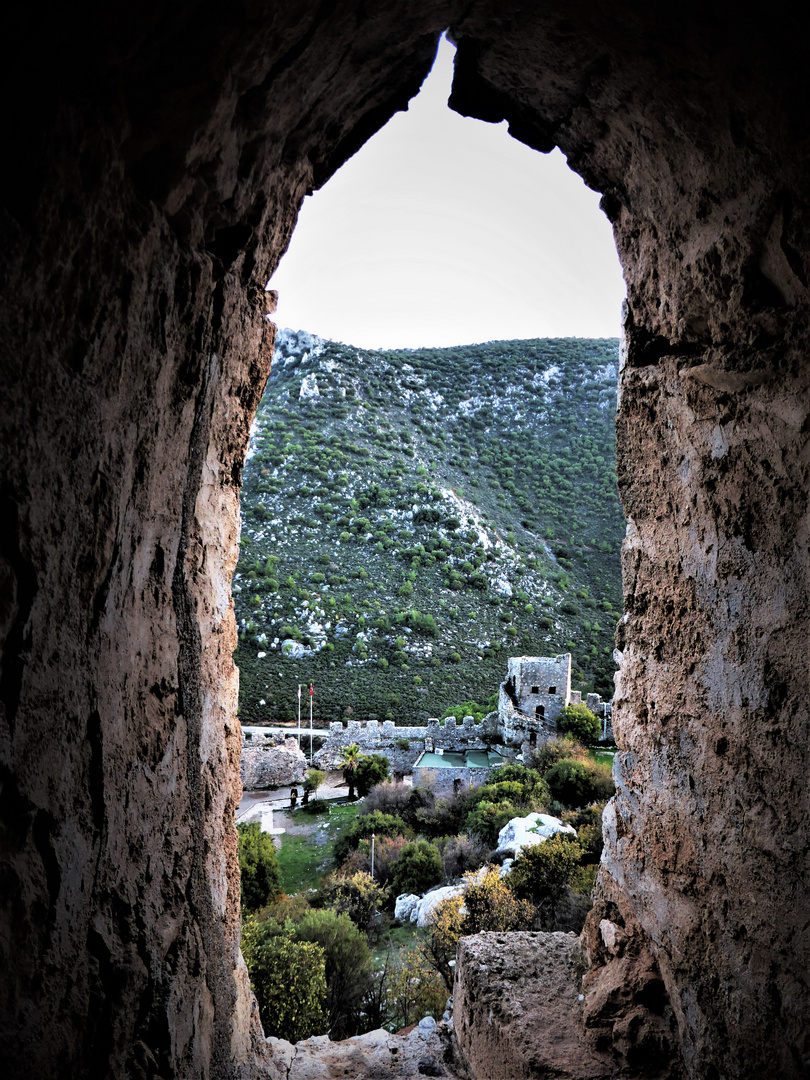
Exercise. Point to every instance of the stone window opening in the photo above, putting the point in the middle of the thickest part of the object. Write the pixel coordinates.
(552, 689)
(163, 992)
(539, 712)
(535, 689)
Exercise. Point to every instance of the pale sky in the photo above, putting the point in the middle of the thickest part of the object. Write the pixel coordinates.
(444, 230)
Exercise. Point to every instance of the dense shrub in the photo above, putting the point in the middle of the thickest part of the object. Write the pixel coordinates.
(258, 865)
(363, 826)
(541, 874)
(348, 967)
(579, 721)
(417, 869)
(357, 895)
(577, 783)
(288, 978)
(372, 769)
(460, 854)
(391, 797)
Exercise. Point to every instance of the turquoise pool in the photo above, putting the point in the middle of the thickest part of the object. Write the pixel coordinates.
(466, 759)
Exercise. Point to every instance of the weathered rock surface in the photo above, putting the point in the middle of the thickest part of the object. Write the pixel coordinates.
(426, 1051)
(404, 905)
(516, 1012)
(523, 832)
(424, 910)
(271, 762)
(157, 160)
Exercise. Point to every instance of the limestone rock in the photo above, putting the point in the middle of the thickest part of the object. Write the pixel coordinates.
(422, 913)
(404, 906)
(529, 831)
(516, 1012)
(425, 1051)
(268, 763)
(294, 649)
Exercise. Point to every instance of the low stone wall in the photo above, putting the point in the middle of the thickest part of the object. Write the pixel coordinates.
(375, 738)
(270, 760)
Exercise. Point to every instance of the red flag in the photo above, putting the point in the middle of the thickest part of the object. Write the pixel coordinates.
(311, 690)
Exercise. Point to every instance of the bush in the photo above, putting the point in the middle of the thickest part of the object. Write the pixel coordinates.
(461, 854)
(357, 895)
(348, 967)
(387, 850)
(579, 721)
(541, 874)
(578, 783)
(288, 978)
(316, 806)
(362, 827)
(258, 864)
(417, 869)
(372, 769)
(490, 905)
(391, 797)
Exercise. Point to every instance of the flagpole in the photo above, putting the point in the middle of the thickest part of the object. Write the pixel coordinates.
(310, 722)
(299, 716)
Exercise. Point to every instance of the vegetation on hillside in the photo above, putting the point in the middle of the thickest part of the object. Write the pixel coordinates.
(412, 518)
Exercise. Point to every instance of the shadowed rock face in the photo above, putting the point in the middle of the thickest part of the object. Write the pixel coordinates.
(155, 158)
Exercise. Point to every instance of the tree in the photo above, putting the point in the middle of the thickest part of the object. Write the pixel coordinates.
(258, 864)
(348, 967)
(288, 978)
(579, 721)
(417, 869)
(363, 827)
(578, 783)
(357, 895)
(349, 762)
(371, 769)
(410, 989)
(541, 874)
(312, 781)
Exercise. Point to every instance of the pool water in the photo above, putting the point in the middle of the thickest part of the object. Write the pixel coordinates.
(468, 759)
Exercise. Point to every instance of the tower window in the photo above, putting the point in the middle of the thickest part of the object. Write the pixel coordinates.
(535, 689)
(552, 689)
(539, 712)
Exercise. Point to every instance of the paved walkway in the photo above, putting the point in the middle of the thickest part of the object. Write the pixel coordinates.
(258, 805)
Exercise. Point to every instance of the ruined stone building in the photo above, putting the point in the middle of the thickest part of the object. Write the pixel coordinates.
(155, 158)
(536, 690)
(538, 687)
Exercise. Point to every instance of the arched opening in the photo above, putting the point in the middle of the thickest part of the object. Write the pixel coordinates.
(116, 630)
(539, 712)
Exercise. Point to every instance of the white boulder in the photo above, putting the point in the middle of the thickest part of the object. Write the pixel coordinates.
(424, 911)
(404, 905)
(529, 831)
(294, 649)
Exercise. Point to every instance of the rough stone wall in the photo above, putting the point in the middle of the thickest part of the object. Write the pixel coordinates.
(270, 761)
(155, 160)
(162, 155)
(375, 738)
(443, 781)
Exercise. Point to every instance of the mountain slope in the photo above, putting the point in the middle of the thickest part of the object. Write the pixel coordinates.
(411, 518)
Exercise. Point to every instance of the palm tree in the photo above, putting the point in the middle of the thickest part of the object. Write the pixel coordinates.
(349, 762)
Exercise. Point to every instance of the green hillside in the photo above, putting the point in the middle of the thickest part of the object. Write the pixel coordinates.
(412, 518)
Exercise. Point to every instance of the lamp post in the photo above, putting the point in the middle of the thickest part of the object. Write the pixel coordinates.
(373, 838)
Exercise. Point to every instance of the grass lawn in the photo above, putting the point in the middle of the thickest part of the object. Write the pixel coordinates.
(306, 855)
(604, 757)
